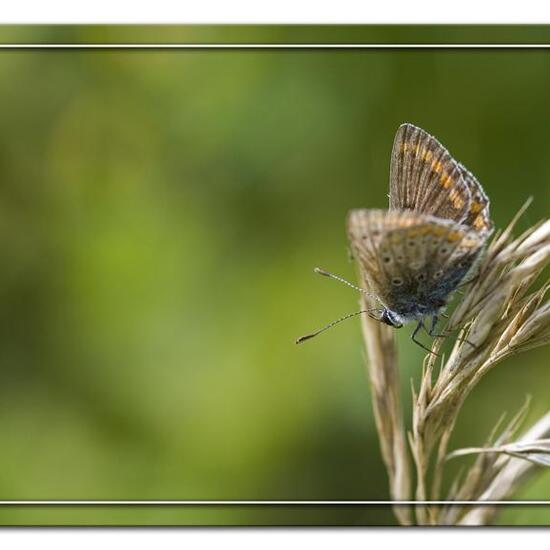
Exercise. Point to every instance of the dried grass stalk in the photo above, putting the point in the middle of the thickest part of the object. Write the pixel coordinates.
(509, 475)
(384, 382)
(500, 315)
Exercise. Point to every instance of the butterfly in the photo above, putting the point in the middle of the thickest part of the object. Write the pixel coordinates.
(413, 256)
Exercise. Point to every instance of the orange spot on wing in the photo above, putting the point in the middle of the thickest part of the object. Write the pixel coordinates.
(454, 236)
(445, 180)
(456, 199)
(476, 207)
(480, 223)
(438, 231)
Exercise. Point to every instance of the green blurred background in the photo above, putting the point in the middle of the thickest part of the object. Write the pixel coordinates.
(160, 216)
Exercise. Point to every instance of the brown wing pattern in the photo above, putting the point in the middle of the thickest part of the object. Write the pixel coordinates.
(405, 256)
(366, 230)
(425, 178)
(478, 214)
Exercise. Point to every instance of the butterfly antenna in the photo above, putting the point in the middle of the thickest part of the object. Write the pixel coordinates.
(342, 280)
(330, 325)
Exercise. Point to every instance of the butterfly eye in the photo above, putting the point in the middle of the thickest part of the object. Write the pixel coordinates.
(397, 281)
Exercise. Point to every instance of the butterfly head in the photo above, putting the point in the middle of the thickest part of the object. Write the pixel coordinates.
(390, 318)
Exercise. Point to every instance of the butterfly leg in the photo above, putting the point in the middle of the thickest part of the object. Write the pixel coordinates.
(464, 340)
(431, 332)
(433, 335)
(419, 326)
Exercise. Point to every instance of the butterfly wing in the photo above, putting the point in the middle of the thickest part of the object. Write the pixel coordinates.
(424, 177)
(478, 215)
(411, 261)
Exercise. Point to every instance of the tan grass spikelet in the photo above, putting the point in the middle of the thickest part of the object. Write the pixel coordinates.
(500, 315)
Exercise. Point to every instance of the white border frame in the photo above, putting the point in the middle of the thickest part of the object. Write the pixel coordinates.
(294, 46)
(270, 502)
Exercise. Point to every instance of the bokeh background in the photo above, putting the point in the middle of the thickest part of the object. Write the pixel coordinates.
(160, 216)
